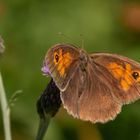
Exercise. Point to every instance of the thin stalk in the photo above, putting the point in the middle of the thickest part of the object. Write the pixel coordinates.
(5, 111)
(43, 126)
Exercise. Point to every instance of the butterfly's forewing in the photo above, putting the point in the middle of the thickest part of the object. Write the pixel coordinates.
(89, 95)
(125, 72)
(61, 61)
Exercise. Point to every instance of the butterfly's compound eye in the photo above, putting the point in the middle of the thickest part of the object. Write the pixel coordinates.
(135, 75)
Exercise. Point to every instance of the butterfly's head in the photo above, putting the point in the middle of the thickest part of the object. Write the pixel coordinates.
(84, 58)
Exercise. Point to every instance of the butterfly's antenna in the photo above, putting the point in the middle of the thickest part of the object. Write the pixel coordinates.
(82, 41)
(47, 106)
(67, 37)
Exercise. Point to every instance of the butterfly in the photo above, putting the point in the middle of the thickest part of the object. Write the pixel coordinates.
(93, 86)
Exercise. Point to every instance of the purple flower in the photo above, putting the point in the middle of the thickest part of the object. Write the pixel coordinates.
(45, 70)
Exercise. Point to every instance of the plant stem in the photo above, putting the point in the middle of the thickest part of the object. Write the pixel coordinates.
(5, 111)
(43, 126)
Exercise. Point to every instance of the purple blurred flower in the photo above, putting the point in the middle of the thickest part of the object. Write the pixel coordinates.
(45, 70)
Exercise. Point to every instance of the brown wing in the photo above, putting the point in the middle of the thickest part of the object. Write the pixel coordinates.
(89, 95)
(61, 60)
(125, 72)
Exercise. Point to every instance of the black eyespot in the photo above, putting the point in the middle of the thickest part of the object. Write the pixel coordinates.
(135, 75)
(56, 57)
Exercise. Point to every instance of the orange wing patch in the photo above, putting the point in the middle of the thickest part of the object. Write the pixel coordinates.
(124, 75)
(64, 61)
(117, 70)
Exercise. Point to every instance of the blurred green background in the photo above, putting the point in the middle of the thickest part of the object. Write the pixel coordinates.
(30, 27)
